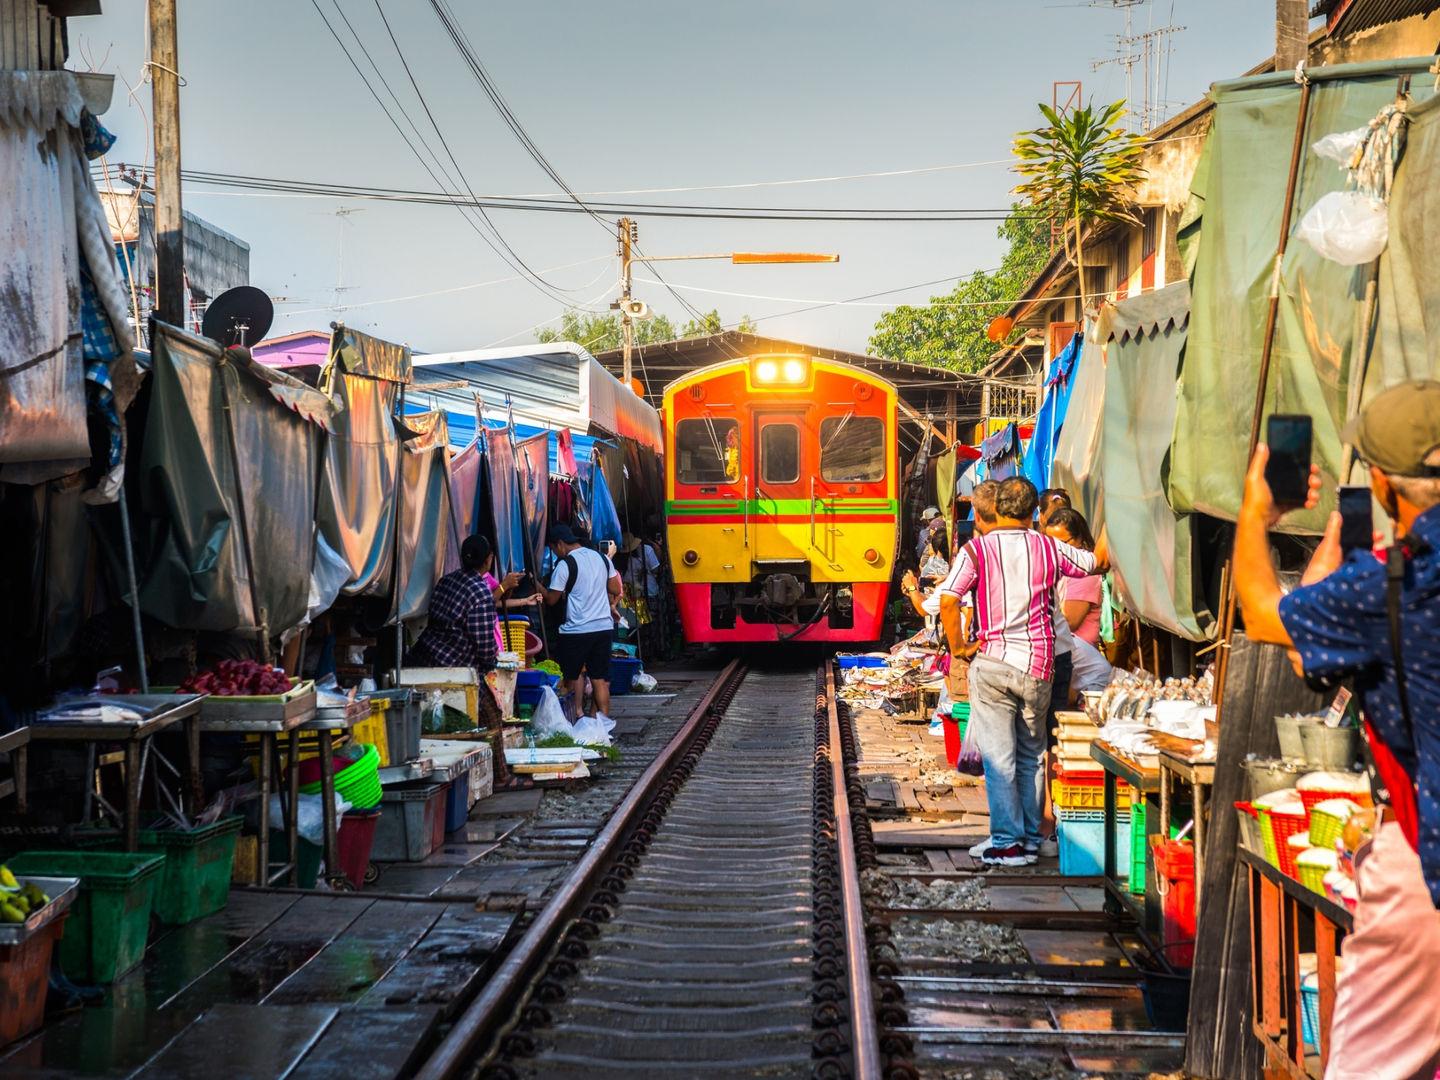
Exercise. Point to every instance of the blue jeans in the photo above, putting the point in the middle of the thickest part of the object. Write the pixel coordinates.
(1008, 712)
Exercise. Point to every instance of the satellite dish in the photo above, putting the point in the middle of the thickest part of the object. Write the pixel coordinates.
(238, 316)
(636, 310)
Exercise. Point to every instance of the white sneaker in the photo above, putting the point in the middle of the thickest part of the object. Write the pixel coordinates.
(1014, 855)
(1049, 848)
(980, 848)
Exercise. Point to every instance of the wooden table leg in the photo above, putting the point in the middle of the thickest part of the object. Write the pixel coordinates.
(132, 795)
(292, 803)
(196, 783)
(18, 763)
(1270, 960)
(267, 749)
(327, 792)
(1198, 802)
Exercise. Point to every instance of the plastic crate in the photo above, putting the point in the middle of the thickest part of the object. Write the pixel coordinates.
(1310, 1011)
(110, 922)
(410, 815)
(457, 803)
(1082, 841)
(372, 732)
(196, 878)
(514, 628)
(622, 672)
(1139, 848)
(25, 979)
(860, 661)
(1070, 794)
(402, 723)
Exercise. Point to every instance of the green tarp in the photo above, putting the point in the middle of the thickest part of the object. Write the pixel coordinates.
(1150, 545)
(197, 575)
(1230, 232)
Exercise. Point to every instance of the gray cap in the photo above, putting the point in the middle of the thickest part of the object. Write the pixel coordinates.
(1399, 429)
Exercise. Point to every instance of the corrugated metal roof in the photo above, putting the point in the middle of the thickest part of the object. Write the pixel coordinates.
(555, 386)
(1351, 16)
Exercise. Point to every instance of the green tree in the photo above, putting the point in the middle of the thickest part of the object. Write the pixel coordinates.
(949, 331)
(601, 333)
(1077, 168)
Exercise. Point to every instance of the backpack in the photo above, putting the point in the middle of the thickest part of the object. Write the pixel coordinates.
(572, 567)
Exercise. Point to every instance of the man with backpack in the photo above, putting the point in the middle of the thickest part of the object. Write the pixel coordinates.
(589, 586)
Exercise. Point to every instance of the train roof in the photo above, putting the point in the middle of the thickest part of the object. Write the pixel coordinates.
(742, 361)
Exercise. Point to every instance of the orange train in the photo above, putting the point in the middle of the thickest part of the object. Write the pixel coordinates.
(782, 500)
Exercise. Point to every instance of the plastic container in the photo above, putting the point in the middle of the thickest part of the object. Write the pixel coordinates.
(860, 660)
(1276, 829)
(110, 922)
(357, 782)
(1330, 747)
(412, 822)
(1082, 840)
(1175, 880)
(1313, 864)
(514, 629)
(534, 677)
(1310, 1011)
(196, 878)
(1085, 794)
(1139, 848)
(402, 723)
(953, 738)
(1327, 821)
(457, 804)
(1166, 993)
(308, 858)
(356, 842)
(622, 671)
(25, 980)
(372, 732)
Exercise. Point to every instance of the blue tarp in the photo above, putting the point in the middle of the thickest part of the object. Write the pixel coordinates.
(462, 432)
(1059, 382)
(604, 521)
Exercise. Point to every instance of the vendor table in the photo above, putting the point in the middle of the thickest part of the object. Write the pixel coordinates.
(159, 713)
(14, 744)
(327, 721)
(1285, 917)
(1147, 783)
(223, 723)
(1199, 775)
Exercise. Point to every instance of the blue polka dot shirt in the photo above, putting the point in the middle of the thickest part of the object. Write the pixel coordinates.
(1340, 628)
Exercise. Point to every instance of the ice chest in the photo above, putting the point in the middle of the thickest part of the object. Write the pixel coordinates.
(108, 926)
(412, 822)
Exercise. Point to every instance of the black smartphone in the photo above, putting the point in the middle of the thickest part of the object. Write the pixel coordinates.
(1288, 470)
(1357, 522)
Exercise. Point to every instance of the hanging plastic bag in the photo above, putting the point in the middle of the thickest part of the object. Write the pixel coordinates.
(1347, 227)
(1342, 146)
(594, 730)
(433, 717)
(969, 762)
(549, 718)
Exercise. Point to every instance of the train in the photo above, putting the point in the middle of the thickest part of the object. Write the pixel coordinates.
(782, 508)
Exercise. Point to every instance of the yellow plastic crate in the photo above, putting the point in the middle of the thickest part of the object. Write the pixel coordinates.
(1087, 796)
(371, 730)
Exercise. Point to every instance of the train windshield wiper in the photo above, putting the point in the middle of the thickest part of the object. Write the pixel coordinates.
(836, 433)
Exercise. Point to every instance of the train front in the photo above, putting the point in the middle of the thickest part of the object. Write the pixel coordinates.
(781, 500)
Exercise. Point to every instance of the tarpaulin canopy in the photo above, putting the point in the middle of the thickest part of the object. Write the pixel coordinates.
(464, 475)
(1059, 384)
(1230, 232)
(361, 354)
(463, 429)
(1076, 467)
(604, 520)
(425, 524)
(509, 516)
(533, 458)
(224, 459)
(1407, 341)
(1150, 545)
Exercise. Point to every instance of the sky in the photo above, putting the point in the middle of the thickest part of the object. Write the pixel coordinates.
(652, 94)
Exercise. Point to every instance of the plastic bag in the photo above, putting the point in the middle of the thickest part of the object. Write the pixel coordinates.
(970, 762)
(1347, 227)
(549, 718)
(310, 816)
(1341, 146)
(643, 683)
(594, 730)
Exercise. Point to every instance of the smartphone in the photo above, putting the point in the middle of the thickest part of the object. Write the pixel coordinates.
(1357, 522)
(1288, 470)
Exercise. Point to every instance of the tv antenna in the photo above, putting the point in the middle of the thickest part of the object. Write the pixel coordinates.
(1149, 51)
(342, 217)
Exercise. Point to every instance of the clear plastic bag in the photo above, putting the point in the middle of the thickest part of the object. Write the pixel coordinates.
(594, 730)
(1341, 146)
(970, 762)
(1347, 227)
(549, 718)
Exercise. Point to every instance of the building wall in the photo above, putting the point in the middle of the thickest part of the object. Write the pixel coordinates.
(1418, 35)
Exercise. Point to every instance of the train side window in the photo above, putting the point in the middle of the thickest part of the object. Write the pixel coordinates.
(707, 451)
(779, 453)
(852, 449)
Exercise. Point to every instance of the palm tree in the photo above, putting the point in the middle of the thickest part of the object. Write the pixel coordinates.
(1078, 167)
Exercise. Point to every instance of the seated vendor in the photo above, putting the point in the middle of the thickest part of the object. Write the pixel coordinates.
(461, 631)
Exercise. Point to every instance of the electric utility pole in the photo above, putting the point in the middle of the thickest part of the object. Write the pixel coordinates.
(629, 232)
(164, 66)
(1292, 33)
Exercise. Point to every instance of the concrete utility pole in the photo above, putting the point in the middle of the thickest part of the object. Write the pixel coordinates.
(628, 231)
(169, 219)
(1292, 33)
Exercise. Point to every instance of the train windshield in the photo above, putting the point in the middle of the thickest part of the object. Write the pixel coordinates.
(779, 453)
(852, 449)
(707, 451)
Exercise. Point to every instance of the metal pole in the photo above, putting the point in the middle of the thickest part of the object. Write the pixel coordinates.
(1267, 348)
(130, 580)
(169, 220)
(399, 506)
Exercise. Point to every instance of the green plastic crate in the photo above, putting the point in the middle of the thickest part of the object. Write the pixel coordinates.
(110, 922)
(1139, 848)
(196, 878)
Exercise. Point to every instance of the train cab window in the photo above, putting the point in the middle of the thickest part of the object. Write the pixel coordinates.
(779, 453)
(852, 449)
(707, 451)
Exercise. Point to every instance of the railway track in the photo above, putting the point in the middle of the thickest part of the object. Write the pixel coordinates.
(715, 927)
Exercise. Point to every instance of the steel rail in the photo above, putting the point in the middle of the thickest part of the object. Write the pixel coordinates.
(497, 1001)
(865, 1038)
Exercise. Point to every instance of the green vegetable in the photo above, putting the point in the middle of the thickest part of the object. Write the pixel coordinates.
(560, 739)
(549, 667)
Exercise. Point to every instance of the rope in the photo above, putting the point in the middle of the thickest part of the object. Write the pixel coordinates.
(1372, 169)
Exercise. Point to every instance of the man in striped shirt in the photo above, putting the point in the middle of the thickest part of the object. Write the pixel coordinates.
(1013, 571)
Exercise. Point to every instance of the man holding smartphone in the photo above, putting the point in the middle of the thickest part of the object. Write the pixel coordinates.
(1377, 622)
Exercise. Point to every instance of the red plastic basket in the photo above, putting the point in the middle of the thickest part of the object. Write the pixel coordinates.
(1311, 799)
(1284, 826)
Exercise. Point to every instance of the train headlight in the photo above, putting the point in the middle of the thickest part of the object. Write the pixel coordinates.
(767, 371)
(794, 371)
(691, 557)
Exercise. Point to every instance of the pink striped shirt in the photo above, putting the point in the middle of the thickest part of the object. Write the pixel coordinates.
(1013, 573)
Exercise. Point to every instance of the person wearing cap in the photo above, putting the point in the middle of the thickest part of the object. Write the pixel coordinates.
(931, 523)
(642, 568)
(591, 595)
(1337, 625)
(461, 630)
